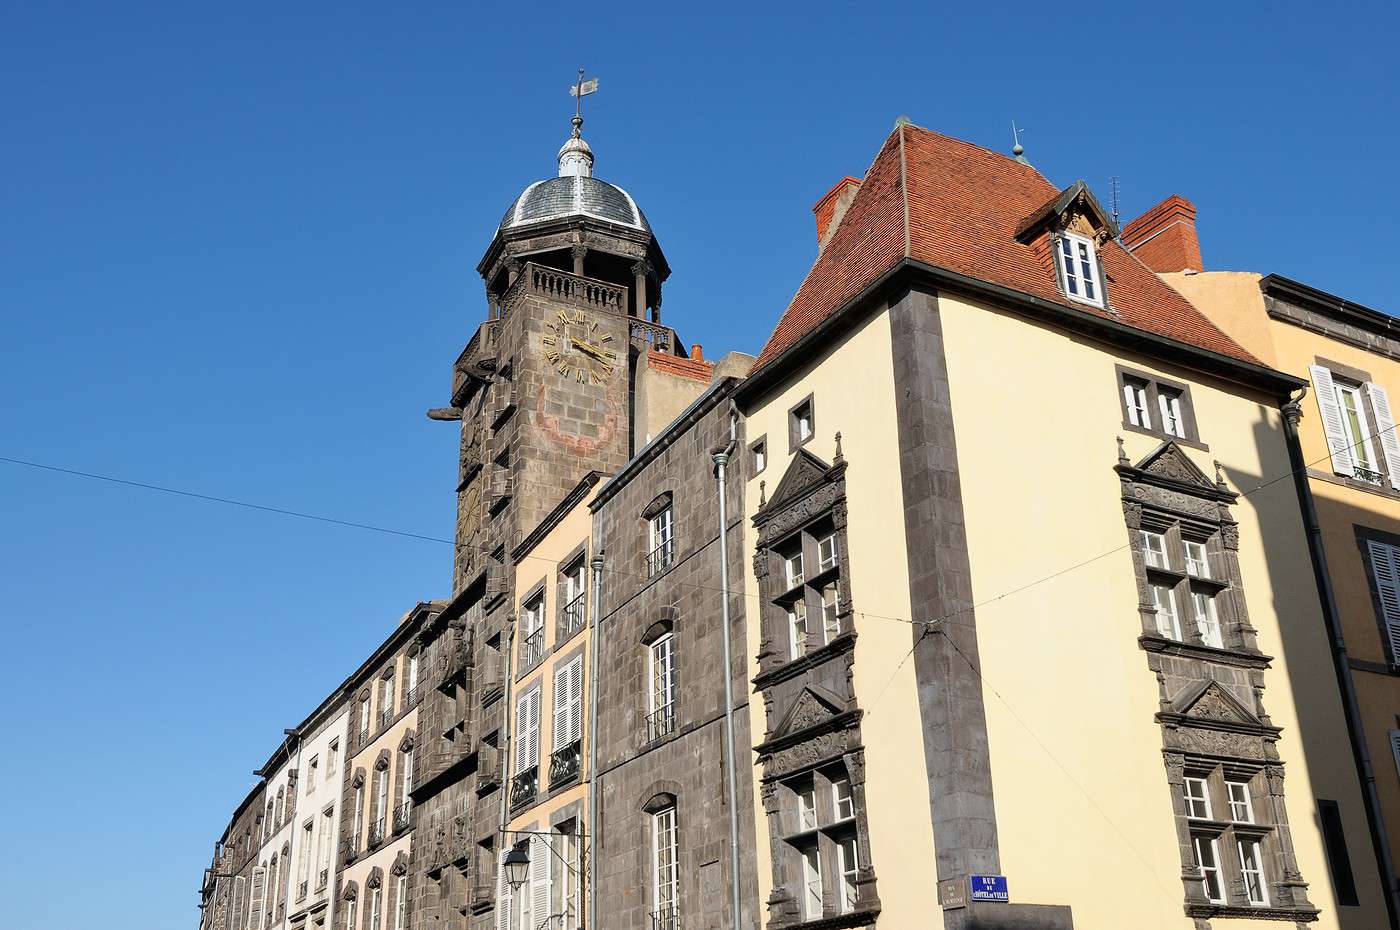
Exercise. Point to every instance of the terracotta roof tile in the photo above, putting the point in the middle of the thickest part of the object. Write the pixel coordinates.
(964, 204)
(695, 369)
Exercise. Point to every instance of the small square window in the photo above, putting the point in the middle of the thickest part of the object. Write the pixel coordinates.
(826, 552)
(1135, 399)
(1197, 798)
(801, 423)
(759, 452)
(841, 802)
(792, 569)
(806, 807)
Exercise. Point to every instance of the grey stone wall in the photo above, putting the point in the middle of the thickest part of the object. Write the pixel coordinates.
(689, 763)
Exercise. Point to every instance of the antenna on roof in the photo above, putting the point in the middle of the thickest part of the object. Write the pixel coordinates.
(1016, 148)
(1113, 192)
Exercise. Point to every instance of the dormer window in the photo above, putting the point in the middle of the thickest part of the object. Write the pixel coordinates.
(1079, 269)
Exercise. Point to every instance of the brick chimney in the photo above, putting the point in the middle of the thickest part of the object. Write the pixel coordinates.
(1164, 238)
(832, 207)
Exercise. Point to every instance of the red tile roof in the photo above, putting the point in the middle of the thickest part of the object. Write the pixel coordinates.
(957, 206)
(695, 369)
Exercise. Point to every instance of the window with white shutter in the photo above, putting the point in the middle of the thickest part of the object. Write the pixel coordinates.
(504, 900)
(527, 730)
(256, 902)
(568, 704)
(1339, 447)
(1385, 431)
(1385, 581)
(1395, 748)
(541, 859)
(238, 885)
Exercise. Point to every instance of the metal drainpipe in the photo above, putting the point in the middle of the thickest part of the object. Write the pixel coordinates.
(1340, 661)
(591, 920)
(721, 458)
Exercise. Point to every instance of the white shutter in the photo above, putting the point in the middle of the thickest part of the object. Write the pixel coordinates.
(1385, 430)
(1385, 569)
(1395, 747)
(255, 918)
(540, 856)
(576, 699)
(535, 727)
(238, 884)
(560, 725)
(502, 894)
(1337, 443)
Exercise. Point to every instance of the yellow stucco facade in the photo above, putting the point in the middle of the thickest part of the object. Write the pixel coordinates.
(1293, 341)
(1083, 807)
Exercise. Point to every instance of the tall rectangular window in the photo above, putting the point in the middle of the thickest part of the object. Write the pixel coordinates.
(1169, 405)
(381, 800)
(532, 631)
(324, 863)
(1197, 565)
(806, 807)
(1357, 430)
(849, 863)
(573, 597)
(351, 914)
(1385, 584)
(841, 803)
(374, 908)
(358, 823)
(811, 883)
(1208, 862)
(792, 569)
(1252, 871)
(1207, 623)
(1359, 424)
(661, 543)
(831, 620)
(401, 902)
(406, 773)
(662, 694)
(527, 731)
(386, 700)
(1168, 623)
(412, 676)
(567, 726)
(1079, 268)
(665, 875)
(364, 718)
(311, 768)
(331, 753)
(1135, 402)
(797, 628)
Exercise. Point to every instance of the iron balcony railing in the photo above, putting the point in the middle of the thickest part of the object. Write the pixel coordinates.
(666, 918)
(573, 617)
(322, 879)
(364, 733)
(401, 816)
(661, 722)
(660, 558)
(376, 833)
(532, 648)
(524, 787)
(1367, 474)
(386, 716)
(354, 849)
(564, 764)
(411, 697)
(301, 890)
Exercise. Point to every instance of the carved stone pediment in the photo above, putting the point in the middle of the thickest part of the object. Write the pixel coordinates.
(1212, 702)
(1170, 463)
(814, 705)
(804, 473)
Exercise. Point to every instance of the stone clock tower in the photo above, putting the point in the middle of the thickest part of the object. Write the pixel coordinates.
(544, 389)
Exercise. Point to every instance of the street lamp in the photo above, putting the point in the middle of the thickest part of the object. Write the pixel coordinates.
(517, 865)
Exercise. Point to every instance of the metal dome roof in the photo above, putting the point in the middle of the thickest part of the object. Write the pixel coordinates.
(574, 195)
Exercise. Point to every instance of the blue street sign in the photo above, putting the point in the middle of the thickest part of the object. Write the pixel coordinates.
(988, 888)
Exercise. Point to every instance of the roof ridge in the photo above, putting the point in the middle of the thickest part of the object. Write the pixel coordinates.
(904, 185)
(987, 151)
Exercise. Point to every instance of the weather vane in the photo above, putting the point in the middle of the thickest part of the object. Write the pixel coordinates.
(578, 91)
(1016, 148)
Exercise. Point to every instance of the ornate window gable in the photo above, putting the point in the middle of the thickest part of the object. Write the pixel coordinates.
(813, 785)
(1218, 743)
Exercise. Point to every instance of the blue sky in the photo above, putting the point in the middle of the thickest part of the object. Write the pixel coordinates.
(236, 256)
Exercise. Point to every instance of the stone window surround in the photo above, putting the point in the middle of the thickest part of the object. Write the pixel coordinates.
(826, 834)
(1365, 534)
(537, 590)
(1167, 488)
(578, 554)
(1188, 409)
(795, 441)
(758, 445)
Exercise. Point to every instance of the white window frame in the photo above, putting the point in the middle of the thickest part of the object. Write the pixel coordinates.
(1207, 620)
(400, 902)
(375, 902)
(1197, 558)
(1355, 426)
(843, 805)
(812, 890)
(760, 456)
(1135, 399)
(1169, 406)
(827, 555)
(386, 703)
(1079, 272)
(1194, 801)
(1211, 844)
(793, 569)
(806, 807)
(797, 628)
(660, 538)
(661, 668)
(381, 799)
(848, 865)
(1154, 549)
(1256, 888)
(351, 914)
(1238, 800)
(406, 774)
(1168, 617)
(831, 611)
(665, 888)
(413, 673)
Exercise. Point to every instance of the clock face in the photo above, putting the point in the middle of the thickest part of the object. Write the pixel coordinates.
(574, 346)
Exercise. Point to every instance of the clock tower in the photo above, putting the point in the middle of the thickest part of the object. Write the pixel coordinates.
(545, 389)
